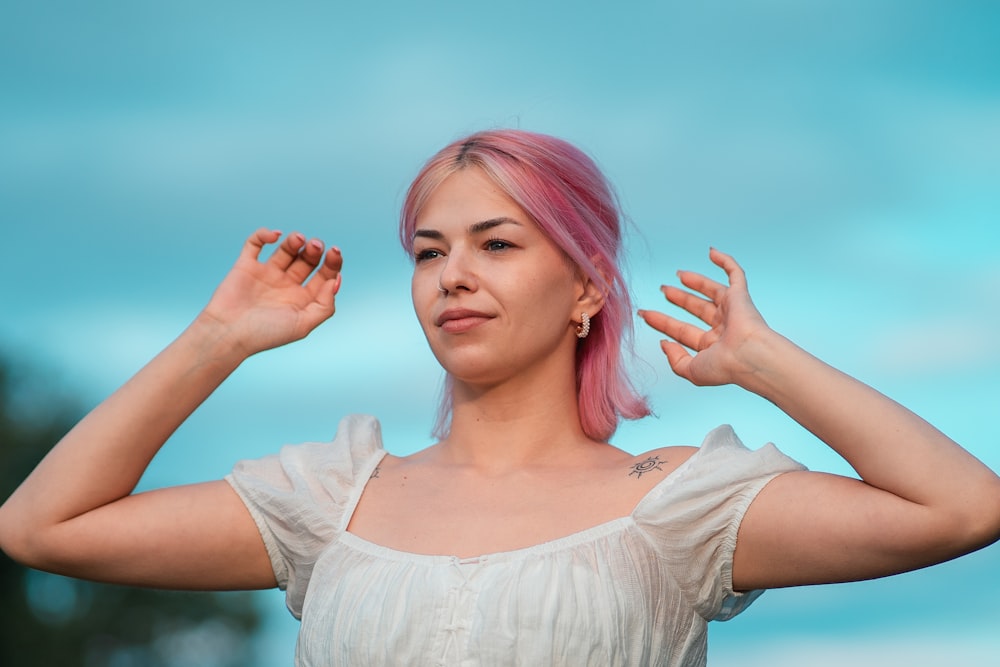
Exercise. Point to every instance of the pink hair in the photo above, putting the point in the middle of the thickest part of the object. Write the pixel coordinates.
(570, 200)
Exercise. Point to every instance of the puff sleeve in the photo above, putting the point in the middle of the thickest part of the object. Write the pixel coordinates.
(301, 498)
(692, 518)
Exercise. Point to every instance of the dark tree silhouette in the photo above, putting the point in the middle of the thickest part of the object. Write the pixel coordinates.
(47, 619)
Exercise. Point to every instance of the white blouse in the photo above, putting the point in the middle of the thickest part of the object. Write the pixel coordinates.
(638, 590)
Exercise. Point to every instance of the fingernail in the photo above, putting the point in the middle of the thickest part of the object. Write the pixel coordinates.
(316, 244)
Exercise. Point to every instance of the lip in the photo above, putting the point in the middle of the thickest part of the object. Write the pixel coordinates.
(457, 320)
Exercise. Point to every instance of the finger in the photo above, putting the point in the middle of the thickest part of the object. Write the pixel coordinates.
(326, 282)
(714, 290)
(306, 260)
(703, 309)
(332, 263)
(325, 285)
(287, 251)
(735, 273)
(654, 319)
(678, 358)
(322, 307)
(684, 333)
(256, 242)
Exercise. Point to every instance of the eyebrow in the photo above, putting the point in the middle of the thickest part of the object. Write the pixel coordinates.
(476, 228)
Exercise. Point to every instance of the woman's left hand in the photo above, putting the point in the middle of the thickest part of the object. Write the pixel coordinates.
(921, 499)
(719, 353)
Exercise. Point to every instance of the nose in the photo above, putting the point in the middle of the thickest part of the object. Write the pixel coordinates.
(457, 273)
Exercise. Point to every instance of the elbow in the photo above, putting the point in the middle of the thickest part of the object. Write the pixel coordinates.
(976, 524)
(21, 542)
(14, 541)
(55, 548)
(10, 540)
(988, 528)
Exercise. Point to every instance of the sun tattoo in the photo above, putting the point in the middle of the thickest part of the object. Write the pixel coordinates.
(650, 464)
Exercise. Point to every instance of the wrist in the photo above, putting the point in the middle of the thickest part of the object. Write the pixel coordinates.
(214, 343)
(765, 359)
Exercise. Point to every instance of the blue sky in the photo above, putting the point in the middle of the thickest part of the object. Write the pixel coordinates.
(848, 153)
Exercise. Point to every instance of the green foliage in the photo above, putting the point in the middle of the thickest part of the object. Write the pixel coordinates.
(46, 619)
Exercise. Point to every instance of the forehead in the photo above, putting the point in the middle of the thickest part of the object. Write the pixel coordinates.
(466, 197)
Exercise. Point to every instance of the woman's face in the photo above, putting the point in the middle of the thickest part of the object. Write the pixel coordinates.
(495, 297)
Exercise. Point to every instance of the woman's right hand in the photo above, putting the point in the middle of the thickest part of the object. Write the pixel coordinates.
(76, 514)
(264, 304)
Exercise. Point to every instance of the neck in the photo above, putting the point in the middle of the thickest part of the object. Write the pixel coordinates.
(520, 422)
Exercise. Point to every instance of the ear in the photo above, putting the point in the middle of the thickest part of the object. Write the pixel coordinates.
(590, 295)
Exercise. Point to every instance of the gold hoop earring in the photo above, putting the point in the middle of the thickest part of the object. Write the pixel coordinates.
(583, 329)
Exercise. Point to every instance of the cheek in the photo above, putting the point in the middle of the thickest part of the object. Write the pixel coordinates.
(547, 298)
(420, 300)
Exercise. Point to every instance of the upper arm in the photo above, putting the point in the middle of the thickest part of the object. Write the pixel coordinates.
(198, 536)
(809, 528)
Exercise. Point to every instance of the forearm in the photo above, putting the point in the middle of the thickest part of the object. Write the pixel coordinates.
(103, 457)
(923, 499)
(889, 446)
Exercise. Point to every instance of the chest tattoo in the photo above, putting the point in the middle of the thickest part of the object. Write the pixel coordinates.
(374, 474)
(650, 464)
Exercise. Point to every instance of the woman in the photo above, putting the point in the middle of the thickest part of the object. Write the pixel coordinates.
(522, 536)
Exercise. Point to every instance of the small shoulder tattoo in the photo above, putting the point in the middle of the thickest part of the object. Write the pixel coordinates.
(374, 474)
(650, 464)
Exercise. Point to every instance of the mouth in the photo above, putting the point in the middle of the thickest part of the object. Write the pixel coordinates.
(459, 320)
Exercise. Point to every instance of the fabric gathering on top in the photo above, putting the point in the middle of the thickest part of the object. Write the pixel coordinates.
(634, 591)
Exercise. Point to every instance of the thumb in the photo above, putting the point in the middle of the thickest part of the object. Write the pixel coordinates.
(678, 357)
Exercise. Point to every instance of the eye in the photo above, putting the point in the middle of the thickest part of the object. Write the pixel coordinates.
(498, 245)
(424, 255)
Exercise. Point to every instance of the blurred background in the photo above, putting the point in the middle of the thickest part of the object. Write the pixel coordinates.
(848, 154)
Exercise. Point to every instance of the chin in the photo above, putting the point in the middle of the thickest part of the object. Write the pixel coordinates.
(477, 375)
(480, 368)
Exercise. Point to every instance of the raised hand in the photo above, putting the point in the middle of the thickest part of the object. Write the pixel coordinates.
(264, 304)
(732, 319)
(75, 515)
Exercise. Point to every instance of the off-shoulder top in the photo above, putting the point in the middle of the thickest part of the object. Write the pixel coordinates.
(638, 590)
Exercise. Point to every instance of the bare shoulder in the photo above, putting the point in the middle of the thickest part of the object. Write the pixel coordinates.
(628, 478)
(659, 462)
(402, 464)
